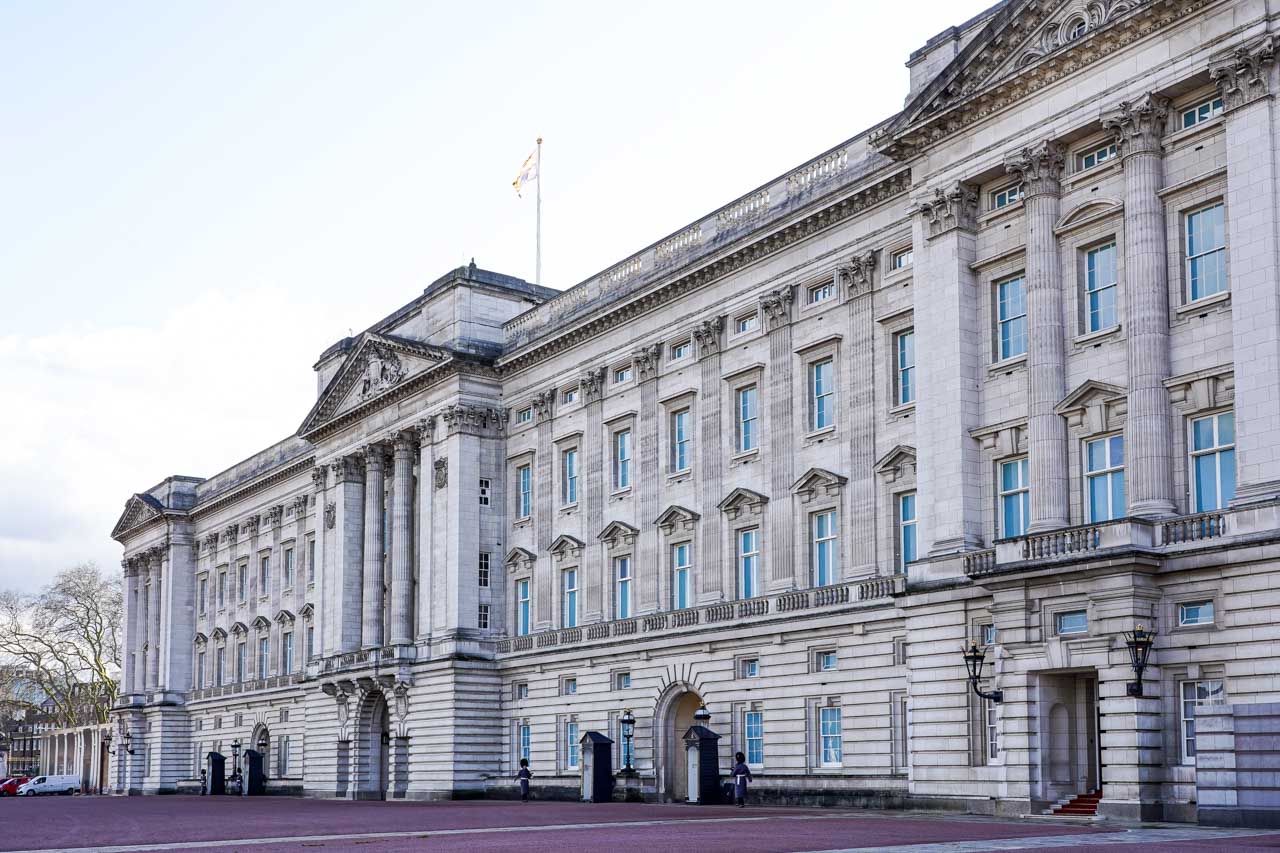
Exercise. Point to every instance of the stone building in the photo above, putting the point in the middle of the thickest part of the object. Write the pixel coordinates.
(1002, 368)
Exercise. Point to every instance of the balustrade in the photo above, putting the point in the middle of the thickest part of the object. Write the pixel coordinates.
(1193, 528)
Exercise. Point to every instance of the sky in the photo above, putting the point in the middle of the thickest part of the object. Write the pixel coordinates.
(198, 198)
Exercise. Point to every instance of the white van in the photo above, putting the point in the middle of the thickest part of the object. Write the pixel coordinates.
(64, 784)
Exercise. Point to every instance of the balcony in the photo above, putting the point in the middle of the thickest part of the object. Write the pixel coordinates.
(272, 683)
(871, 591)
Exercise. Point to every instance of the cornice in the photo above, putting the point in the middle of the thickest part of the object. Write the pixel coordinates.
(253, 487)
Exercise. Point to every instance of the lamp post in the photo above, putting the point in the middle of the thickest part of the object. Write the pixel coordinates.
(126, 737)
(702, 716)
(235, 756)
(974, 657)
(1139, 641)
(628, 722)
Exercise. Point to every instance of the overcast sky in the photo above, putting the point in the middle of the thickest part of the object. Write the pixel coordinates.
(197, 198)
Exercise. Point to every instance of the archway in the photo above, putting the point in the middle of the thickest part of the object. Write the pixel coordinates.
(672, 718)
(375, 748)
(261, 741)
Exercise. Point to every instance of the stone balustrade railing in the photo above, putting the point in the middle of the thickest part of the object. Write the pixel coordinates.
(817, 171)
(272, 683)
(1193, 528)
(979, 562)
(1060, 543)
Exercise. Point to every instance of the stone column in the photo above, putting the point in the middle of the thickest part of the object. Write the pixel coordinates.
(1138, 127)
(1253, 244)
(132, 642)
(153, 620)
(1040, 169)
(347, 594)
(592, 485)
(545, 582)
(711, 454)
(776, 308)
(426, 538)
(862, 414)
(371, 633)
(647, 472)
(402, 541)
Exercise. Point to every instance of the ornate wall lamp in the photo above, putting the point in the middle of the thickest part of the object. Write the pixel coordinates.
(974, 658)
(1139, 642)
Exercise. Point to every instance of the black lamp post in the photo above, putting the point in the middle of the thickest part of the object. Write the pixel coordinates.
(628, 722)
(126, 736)
(974, 657)
(702, 716)
(235, 755)
(1139, 642)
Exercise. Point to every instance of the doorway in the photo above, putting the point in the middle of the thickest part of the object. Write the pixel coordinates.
(674, 719)
(1070, 753)
(376, 746)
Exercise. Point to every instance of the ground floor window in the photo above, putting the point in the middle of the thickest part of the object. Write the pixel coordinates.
(753, 723)
(1197, 694)
(829, 721)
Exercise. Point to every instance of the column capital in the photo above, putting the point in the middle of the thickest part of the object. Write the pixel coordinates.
(776, 307)
(426, 431)
(319, 477)
(404, 443)
(950, 208)
(706, 335)
(592, 382)
(1139, 125)
(348, 469)
(476, 420)
(1038, 167)
(859, 274)
(375, 457)
(544, 404)
(648, 362)
(1243, 75)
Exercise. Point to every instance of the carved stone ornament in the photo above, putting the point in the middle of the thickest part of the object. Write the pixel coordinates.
(210, 541)
(273, 515)
(1138, 125)
(776, 306)
(948, 209)
(647, 361)
(249, 526)
(229, 532)
(330, 515)
(382, 370)
(860, 272)
(1242, 76)
(706, 335)
(400, 708)
(348, 469)
(426, 430)
(542, 403)
(592, 383)
(463, 417)
(441, 473)
(1039, 168)
(318, 477)
(299, 506)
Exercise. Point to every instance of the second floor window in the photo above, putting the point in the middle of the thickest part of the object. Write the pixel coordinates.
(311, 560)
(622, 593)
(824, 548)
(242, 581)
(832, 739)
(748, 419)
(906, 347)
(622, 459)
(1206, 252)
(907, 552)
(569, 476)
(1011, 315)
(242, 660)
(1104, 476)
(288, 567)
(524, 492)
(681, 587)
(1100, 286)
(523, 613)
(1095, 156)
(286, 653)
(482, 569)
(264, 655)
(821, 292)
(1015, 498)
(1213, 461)
(749, 563)
(264, 574)
(680, 440)
(822, 382)
(1006, 196)
(900, 260)
(753, 727)
(1201, 112)
(204, 584)
(570, 601)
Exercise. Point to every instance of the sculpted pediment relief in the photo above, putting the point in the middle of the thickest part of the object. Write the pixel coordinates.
(218, 635)
(818, 482)
(519, 558)
(139, 509)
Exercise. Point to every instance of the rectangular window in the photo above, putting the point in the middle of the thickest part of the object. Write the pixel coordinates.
(204, 584)
(1206, 251)
(570, 687)
(522, 607)
(832, 737)
(622, 459)
(1104, 478)
(222, 589)
(311, 560)
(1006, 196)
(482, 616)
(821, 292)
(622, 374)
(286, 653)
(749, 563)
(1071, 622)
(484, 492)
(482, 569)
(900, 260)
(1213, 461)
(242, 581)
(746, 323)
(264, 574)
(569, 477)
(521, 690)
(824, 547)
(1015, 497)
(220, 666)
(1197, 694)
(822, 407)
(200, 670)
(907, 552)
(1201, 112)
(1100, 287)
(526, 742)
(311, 642)
(989, 634)
(826, 661)
(572, 749)
(1095, 157)
(748, 418)
(264, 652)
(681, 350)
(525, 415)
(991, 725)
(750, 668)
(753, 726)
(1012, 316)
(282, 756)
(570, 395)
(680, 433)
(622, 594)
(1195, 613)
(524, 494)
(288, 567)
(622, 681)
(905, 344)
(242, 660)
(569, 600)
(681, 571)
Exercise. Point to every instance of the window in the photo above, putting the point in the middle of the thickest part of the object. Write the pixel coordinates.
(900, 260)
(748, 405)
(311, 642)
(242, 656)
(622, 596)
(750, 668)
(1012, 317)
(521, 690)
(288, 567)
(989, 634)
(622, 459)
(1206, 251)
(569, 477)
(242, 581)
(1006, 196)
(1104, 478)
(484, 492)
(1197, 694)
(524, 494)
(1213, 461)
(264, 574)
(825, 661)
(282, 756)
(905, 344)
(824, 547)
(482, 616)
(680, 440)
(569, 600)
(907, 552)
(622, 681)
(746, 323)
(264, 651)
(1015, 498)
(570, 687)
(822, 412)
(681, 585)
(200, 670)
(522, 607)
(311, 560)
(204, 584)
(222, 589)
(1195, 613)
(526, 742)
(525, 415)
(622, 374)
(570, 395)
(1100, 287)
(821, 292)
(1201, 112)
(220, 666)
(749, 563)
(753, 726)
(482, 569)
(572, 749)
(681, 350)
(991, 725)
(830, 733)
(1071, 622)
(898, 731)
(1095, 157)
(286, 653)
(1077, 29)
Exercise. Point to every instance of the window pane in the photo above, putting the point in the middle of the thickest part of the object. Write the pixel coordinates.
(1226, 428)
(1206, 468)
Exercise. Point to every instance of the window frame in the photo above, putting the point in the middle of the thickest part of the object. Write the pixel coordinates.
(1110, 153)
(1181, 609)
(902, 259)
(747, 428)
(907, 526)
(744, 324)
(820, 543)
(569, 477)
(524, 607)
(1215, 107)
(1022, 493)
(830, 745)
(623, 374)
(485, 491)
(623, 605)
(524, 415)
(1186, 724)
(904, 388)
(822, 399)
(1012, 320)
(1188, 217)
(680, 350)
(569, 589)
(1005, 196)
(1102, 292)
(681, 459)
(524, 491)
(743, 557)
(747, 738)
(1108, 472)
(823, 291)
(1060, 616)
(623, 455)
(484, 569)
(1217, 450)
(681, 587)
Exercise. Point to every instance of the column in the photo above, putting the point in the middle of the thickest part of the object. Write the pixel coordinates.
(592, 384)
(347, 594)
(426, 538)
(545, 582)
(649, 474)
(179, 623)
(1138, 126)
(153, 621)
(711, 453)
(131, 623)
(1253, 247)
(861, 412)
(776, 308)
(1040, 169)
(374, 546)
(402, 541)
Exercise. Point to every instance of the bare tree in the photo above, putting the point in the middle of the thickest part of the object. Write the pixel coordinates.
(60, 648)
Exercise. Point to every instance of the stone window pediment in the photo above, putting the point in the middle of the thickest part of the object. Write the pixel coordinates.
(899, 463)
(818, 482)
(307, 611)
(239, 628)
(1089, 212)
(676, 517)
(618, 533)
(742, 500)
(1211, 388)
(262, 623)
(284, 616)
(218, 635)
(201, 640)
(1007, 438)
(566, 546)
(519, 558)
(1094, 407)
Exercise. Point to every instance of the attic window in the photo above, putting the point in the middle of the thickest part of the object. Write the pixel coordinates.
(1076, 28)
(525, 415)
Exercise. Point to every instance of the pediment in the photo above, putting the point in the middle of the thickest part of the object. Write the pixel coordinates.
(676, 517)
(1088, 212)
(261, 622)
(201, 639)
(518, 558)
(817, 482)
(1094, 406)
(742, 500)
(618, 531)
(377, 365)
(1087, 392)
(239, 628)
(218, 635)
(566, 545)
(138, 510)
(284, 616)
(897, 463)
(307, 611)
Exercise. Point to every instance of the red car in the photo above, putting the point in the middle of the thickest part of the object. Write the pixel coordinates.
(9, 787)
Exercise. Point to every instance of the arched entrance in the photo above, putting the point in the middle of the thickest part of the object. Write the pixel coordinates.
(673, 717)
(261, 741)
(373, 766)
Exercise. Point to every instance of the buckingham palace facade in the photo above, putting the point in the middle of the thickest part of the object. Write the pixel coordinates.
(1004, 369)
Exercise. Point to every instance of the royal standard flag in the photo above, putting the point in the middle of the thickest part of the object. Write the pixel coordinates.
(528, 173)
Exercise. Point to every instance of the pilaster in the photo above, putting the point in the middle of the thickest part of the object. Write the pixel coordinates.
(649, 562)
(404, 446)
(776, 307)
(860, 412)
(371, 628)
(348, 557)
(592, 384)
(545, 583)
(426, 539)
(707, 337)
(179, 608)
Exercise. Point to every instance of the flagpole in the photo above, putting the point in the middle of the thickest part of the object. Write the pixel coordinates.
(537, 274)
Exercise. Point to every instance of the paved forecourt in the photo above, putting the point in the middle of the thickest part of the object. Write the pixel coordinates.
(277, 824)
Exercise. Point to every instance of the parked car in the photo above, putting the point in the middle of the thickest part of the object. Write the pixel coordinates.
(67, 783)
(9, 787)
